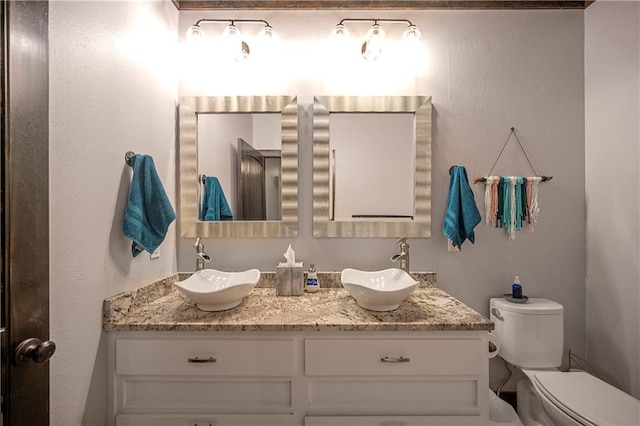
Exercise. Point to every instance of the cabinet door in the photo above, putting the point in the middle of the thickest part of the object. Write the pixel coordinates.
(204, 420)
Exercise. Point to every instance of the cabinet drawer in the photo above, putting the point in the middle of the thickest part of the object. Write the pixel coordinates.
(204, 420)
(222, 357)
(392, 421)
(384, 357)
(203, 395)
(388, 396)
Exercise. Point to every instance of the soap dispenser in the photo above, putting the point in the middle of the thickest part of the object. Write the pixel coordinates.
(516, 288)
(312, 284)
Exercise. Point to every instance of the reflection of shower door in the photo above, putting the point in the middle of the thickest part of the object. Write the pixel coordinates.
(251, 196)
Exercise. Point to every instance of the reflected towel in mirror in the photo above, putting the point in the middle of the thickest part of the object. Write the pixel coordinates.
(214, 204)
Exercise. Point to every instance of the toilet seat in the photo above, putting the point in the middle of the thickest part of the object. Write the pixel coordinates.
(553, 403)
(586, 399)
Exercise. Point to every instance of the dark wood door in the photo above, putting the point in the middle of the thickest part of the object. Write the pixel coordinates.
(25, 213)
(251, 188)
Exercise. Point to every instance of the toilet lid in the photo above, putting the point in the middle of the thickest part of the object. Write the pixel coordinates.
(587, 397)
(534, 306)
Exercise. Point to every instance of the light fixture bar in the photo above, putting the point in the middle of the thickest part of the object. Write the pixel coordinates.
(233, 21)
(375, 20)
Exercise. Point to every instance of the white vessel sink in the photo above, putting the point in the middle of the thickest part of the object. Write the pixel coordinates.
(378, 290)
(214, 290)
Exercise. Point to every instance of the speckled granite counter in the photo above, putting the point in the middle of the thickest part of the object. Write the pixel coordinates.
(159, 307)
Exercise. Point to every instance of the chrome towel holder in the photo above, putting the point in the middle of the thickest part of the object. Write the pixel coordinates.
(128, 156)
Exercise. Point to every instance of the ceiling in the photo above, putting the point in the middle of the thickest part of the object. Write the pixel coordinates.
(380, 4)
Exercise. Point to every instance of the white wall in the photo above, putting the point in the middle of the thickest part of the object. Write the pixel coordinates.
(112, 89)
(612, 109)
(486, 71)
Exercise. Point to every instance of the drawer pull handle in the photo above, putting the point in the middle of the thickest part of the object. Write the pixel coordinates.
(202, 360)
(399, 359)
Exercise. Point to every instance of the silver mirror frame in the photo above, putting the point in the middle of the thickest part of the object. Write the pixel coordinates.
(189, 109)
(323, 106)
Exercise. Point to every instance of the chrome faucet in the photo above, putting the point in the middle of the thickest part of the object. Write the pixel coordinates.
(403, 255)
(202, 257)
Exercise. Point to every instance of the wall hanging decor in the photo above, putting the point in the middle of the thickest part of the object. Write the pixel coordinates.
(511, 202)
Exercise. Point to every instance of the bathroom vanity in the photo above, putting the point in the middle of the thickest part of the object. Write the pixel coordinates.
(317, 359)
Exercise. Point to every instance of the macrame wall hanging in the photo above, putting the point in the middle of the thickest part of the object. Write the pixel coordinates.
(511, 202)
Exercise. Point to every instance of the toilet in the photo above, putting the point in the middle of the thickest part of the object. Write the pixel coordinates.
(531, 338)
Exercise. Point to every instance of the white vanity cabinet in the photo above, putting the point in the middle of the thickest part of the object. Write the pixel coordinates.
(298, 378)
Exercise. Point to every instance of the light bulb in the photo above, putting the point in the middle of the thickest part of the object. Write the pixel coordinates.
(194, 32)
(236, 48)
(411, 45)
(372, 48)
(265, 42)
(339, 32)
(411, 39)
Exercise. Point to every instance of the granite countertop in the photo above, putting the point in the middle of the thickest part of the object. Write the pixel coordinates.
(159, 306)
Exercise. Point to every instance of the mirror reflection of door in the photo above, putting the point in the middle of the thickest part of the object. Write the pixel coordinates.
(243, 151)
(251, 180)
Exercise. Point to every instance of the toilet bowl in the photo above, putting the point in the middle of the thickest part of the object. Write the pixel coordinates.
(531, 339)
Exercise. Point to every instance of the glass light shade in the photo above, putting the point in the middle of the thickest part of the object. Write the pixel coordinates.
(376, 32)
(268, 33)
(372, 48)
(231, 32)
(234, 44)
(194, 32)
(339, 32)
(411, 34)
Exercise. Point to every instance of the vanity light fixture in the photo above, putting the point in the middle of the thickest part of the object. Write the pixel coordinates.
(238, 48)
(373, 45)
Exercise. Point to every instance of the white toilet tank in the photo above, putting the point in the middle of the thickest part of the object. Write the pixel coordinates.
(531, 334)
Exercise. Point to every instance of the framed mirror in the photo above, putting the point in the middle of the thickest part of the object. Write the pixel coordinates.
(219, 138)
(372, 166)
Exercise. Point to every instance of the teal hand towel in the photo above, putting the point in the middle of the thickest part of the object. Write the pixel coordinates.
(462, 213)
(149, 212)
(214, 204)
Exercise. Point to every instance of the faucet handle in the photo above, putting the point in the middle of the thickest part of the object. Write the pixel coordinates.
(401, 240)
(197, 242)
